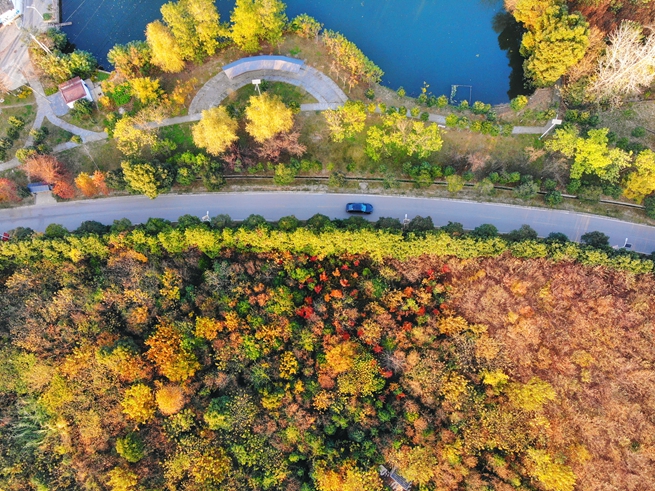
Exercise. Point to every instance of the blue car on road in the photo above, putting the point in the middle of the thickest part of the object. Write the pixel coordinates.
(359, 208)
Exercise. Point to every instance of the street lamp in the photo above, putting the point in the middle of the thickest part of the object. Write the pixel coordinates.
(37, 10)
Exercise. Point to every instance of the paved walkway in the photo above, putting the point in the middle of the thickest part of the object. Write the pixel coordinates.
(326, 92)
(45, 110)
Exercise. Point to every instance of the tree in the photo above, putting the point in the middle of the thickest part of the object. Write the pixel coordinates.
(518, 103)
(627, 65)
(91, 227)
(45, 168)
(552, 475)
(306, 26)
(130, 447)
(206, 20)
(85, 184)
(166, 53)
(485, 231)
(170, 399)
(181, 24)
(8, 191)
(139, 403)
(347, 57)
(401, 134)
(641, 182)
(150, 179)
(64, 189)
(133, 138)
(346, 121)
(455, 183)
(555, 41)
(146, 90)
(55, 231)
(526, 232)
(122, 479)
(591, 155)
(131, 60)
(595, 239)
(420, 224)
(216, 131)
(267, 116)
(169, 351)
(257, 20)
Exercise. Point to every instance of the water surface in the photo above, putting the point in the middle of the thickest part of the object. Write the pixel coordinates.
(440, 42)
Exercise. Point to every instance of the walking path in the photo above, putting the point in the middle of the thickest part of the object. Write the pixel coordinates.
(44, 110)
(289, 70)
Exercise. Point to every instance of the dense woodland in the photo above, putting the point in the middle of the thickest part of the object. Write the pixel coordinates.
(200, 358)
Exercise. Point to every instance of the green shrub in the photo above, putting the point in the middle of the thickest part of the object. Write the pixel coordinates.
(525, 232)
(590, 193)
(130, 447)
(649, 205)
(442, 101)
(455, 183)
(288, 223)
(638, 132)
(254, 222)
(425, 116)
(55, 231)
(401, 92)
(553, 198)
(370, 94)
(420, 224)
(526, 190)
(284, 175)
(219, 222)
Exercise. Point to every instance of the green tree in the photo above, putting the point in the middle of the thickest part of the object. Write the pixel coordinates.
(266, 116)
(216, 130)
(595, 239)
(166, 53)
(518, 103)
(346, 121)
(485, 231)
(256, 20)
(146, 178)
(591, 155)
(130, 447)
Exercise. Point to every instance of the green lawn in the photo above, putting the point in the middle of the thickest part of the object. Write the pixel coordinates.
(27, 113)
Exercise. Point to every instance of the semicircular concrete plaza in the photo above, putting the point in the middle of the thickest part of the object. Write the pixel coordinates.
(271, 68)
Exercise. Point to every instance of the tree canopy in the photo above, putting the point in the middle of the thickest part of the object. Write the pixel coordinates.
(267, 116)
(254, 21)
(216, 131)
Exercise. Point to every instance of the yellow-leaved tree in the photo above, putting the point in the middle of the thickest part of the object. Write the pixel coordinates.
(641, 182)
(139, 403)
(216, 131)
(166, 53)
(256, 20)
(267, 116)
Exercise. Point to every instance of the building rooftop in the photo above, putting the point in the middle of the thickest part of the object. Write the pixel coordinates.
(72, 90)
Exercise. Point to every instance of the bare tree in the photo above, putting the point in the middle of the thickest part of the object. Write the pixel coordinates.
(627, 67)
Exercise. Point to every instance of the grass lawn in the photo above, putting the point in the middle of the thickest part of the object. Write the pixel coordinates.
(56, 135)
(180, 134)
(287, 92)
(92, 122)
(27, 113)
(100, 155)
(11, 99)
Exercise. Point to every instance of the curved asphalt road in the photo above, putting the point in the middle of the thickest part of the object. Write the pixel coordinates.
(303, 205)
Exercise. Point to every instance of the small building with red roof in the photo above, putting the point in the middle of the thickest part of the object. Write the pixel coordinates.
(74, 90)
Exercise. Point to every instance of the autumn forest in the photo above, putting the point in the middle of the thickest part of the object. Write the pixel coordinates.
(235, 359)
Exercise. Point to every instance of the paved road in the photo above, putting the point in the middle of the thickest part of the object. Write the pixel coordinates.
(304, 205)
